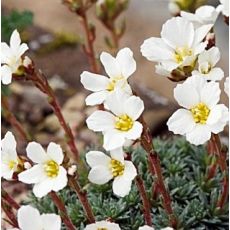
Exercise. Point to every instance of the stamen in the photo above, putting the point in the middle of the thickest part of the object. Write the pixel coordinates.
(51, 168)
(124, 123)
(200, 113)
(117, 168)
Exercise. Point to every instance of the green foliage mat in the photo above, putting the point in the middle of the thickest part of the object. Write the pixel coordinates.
(184, 168)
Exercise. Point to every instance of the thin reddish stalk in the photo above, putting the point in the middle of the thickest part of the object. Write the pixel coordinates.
(145, 200)
(61, 207)
(89, 48)
(6, 197)
(155, 169)
(9, 116)
(9, 213)
(82, 195)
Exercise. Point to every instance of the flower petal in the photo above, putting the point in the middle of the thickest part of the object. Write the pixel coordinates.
(210, 94)
(113, 139)
(15, 40)
(32, 175)
(178, 32)
(55, 152)
(59, 182)
(36, 153)
(9, 143)
(51, 221)
(126, 62)
(29, 218)
(199, 135)
(181, 122)
(94, 82)
(22, 49)
(6, 53)
(117, 154)
(134, 107)
(6, 75)
(96, 98)
(96, 158)
(155, 49)
(200, 33)
(43, 188)
(121, 186)
(111, 65)
(100, 121)
(100, 175)
(135, 132)
(130, 171)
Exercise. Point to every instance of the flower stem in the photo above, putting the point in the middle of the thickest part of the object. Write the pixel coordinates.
(61, 207)
(9, 199)
(41, 82)
(145, 200)
(82, 196)
(90, 37)
(9, 116)
(155, 169)
(9, 213)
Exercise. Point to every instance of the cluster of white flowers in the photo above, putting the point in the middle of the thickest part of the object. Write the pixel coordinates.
(47, 173)
(118, 123)
(12, 59)
(182, 45)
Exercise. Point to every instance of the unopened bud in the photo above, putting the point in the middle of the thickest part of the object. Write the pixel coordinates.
(72, 169)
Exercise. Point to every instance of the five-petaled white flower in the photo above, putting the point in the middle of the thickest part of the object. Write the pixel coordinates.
(206, 65)
(202, 16)
(226, 86)
(11, 57)
(30, 218)
(146, 227)
(120, 125)
(47, 174)
(102, 225)
(9, 156)
(105, 168)
(202, 115)
(118, 70)
(178, 47)
(224, 7)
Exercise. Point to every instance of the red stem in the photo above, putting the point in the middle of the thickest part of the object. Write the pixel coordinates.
(9, 213)
(82, 196)
(9, 116)
(89, 49)
(145, 200)
(155, 169)
(9, 199)
(60, 205)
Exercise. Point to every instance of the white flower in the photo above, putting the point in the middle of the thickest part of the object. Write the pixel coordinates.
(121, 123)
(226, 86)
(102, 225)
(178, 46)
(224, 7)
(72, 169)
(47, 174)
(105, 168)
(206, 65)
(202, 115)
(11, 57)
(118, 70)
(202, 16)
(30, 218)
(9, 156)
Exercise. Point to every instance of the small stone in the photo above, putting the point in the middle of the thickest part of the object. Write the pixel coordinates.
(76, 102)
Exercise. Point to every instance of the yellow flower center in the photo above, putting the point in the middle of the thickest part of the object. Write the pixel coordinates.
(113, 82)
(181, 53)
(123, 123)
(51, 168)
(117, 168)
(200, 113)
(11, 164)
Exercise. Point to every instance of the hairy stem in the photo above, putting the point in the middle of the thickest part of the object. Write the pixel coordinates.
(63, 213)
(145, 200)
(90, 37)
(9, 116)
(6, 197)
(155, 169)
(82, 196)
(9, 213)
